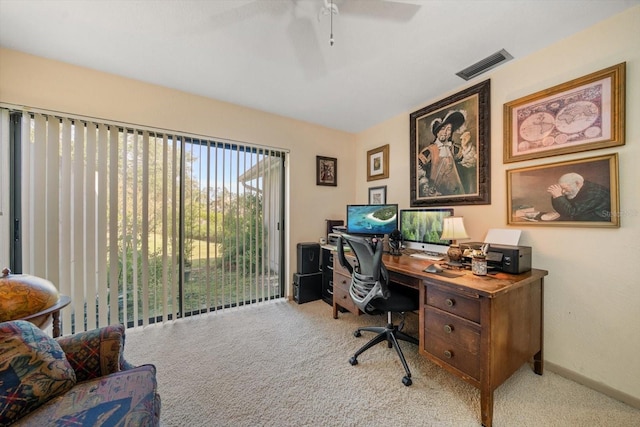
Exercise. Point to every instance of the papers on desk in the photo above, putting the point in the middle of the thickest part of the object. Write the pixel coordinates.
(501, 236)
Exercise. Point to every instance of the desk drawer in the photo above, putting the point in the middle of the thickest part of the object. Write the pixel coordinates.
(459, 333)
(452, 302)
(341, 295)
(403, 279)
(453, 355)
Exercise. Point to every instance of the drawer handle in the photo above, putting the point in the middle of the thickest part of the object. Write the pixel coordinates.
(450, 302)
(448, 328)
(448, 354)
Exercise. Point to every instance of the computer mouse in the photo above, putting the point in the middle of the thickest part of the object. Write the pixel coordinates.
(433, 268)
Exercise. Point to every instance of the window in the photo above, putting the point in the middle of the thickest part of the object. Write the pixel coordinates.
(140, 226)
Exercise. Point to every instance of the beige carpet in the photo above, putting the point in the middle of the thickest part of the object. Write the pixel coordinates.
(283, 364)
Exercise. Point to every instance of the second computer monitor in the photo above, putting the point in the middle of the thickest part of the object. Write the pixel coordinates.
(372, 220)
(421, 229)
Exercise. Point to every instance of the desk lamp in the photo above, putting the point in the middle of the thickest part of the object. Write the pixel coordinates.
(453, 229)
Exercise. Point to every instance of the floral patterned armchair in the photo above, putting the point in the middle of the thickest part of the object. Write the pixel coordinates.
(80, 379)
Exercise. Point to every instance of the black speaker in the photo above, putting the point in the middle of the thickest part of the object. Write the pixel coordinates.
(307, 287)
(308, 258)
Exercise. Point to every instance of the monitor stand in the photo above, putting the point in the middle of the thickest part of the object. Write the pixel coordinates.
(428, 255)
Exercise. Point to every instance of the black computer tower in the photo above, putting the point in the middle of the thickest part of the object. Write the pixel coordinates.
(308, 258)
(307, 287)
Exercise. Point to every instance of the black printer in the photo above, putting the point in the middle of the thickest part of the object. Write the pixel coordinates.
(507, 258)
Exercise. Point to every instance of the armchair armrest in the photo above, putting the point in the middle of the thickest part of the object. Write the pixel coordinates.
(95, 353)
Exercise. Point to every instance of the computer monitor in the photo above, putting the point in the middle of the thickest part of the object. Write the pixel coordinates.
(372, 220)
(421, 229)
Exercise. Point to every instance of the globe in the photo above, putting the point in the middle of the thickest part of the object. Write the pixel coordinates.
(22, 296)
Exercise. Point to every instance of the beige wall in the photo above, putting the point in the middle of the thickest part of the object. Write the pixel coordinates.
(592, 293)
(35, 82)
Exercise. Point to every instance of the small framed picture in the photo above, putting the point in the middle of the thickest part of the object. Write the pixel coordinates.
(576, 193)
(326, 171)
(378, 163)
(378, 195)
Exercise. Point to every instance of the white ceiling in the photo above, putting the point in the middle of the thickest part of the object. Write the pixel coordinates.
(389, 56)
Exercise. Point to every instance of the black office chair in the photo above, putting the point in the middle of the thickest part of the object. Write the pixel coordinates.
(370, 291)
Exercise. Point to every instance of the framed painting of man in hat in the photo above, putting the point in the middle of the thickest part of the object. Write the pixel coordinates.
(450, 154)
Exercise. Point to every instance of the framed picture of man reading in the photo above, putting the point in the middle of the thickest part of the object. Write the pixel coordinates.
(450, 155)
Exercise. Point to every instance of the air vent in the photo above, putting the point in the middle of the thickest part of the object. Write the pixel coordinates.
(485, 64)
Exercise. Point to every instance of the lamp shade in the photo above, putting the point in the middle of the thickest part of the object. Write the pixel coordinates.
(453, 228)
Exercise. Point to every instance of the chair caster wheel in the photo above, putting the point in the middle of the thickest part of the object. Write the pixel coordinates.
(354, 362)
(407, 381)
(357, 334)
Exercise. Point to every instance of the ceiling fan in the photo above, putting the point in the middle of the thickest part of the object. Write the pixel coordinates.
(329, 8)
(301, 28)
(397, 10)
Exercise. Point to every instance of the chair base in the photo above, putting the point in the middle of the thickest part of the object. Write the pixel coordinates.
(391, 334)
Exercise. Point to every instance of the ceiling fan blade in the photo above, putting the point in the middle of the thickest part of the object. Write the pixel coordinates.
(380, 9)
(238, 11)
(301, 31)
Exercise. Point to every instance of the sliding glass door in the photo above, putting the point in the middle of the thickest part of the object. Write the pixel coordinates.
(140, 226)
(232, 232)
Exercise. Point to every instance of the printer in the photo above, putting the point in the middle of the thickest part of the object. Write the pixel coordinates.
(510, 259)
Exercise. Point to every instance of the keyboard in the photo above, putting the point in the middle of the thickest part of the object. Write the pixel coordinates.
(430, 257)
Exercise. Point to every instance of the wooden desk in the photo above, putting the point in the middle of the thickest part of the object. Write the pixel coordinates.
(480, 328)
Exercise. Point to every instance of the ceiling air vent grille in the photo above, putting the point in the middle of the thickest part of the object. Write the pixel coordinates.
(485, 64)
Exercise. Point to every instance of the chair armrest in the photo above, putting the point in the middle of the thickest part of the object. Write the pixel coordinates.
(95, 353)
(341, 258)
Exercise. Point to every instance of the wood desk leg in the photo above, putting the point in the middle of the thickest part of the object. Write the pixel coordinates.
(335, 310)
(56, 324)
(538, 363)
(486, 407)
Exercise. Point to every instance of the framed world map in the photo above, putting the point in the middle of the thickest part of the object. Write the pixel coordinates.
(584, 114)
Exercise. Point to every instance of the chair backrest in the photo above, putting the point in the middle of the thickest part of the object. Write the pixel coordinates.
(369, 278)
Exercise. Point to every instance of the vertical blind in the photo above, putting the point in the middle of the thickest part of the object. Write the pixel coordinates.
(5, 224)
(139, 226)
